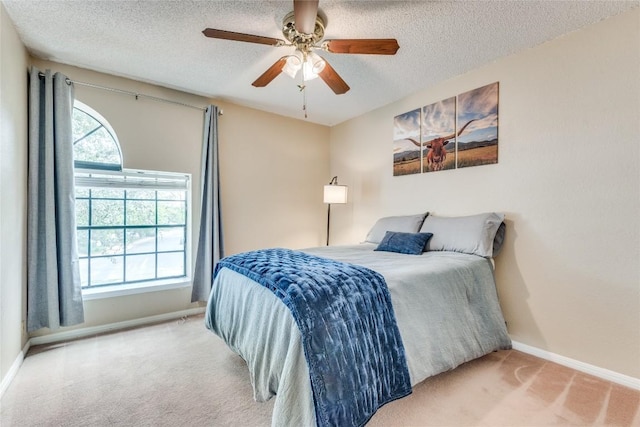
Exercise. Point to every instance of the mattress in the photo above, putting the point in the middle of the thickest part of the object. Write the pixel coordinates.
(446, 309)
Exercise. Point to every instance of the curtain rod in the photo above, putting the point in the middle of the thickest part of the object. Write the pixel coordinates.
(134, 94)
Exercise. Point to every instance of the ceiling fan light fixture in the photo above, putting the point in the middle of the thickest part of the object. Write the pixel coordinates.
(317, 63)
(312, 66)
(293, 64)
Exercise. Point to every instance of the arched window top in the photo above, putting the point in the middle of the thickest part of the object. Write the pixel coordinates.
(95, 144)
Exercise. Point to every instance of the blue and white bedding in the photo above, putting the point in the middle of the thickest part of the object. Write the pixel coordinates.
(350, 338)
(445, 304)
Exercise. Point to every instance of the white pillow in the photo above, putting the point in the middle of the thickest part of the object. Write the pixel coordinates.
(404, 224)
(472, 234)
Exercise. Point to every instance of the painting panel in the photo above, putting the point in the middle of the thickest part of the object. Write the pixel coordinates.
(406, 148)
(438, 135)
(478, 134)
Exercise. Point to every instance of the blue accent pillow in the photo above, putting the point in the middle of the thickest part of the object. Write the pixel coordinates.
(404, 243)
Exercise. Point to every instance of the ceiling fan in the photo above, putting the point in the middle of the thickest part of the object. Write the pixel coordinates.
(304, 29)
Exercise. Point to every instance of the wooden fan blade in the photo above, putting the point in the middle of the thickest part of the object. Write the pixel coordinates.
(230, 35)
(333, 80)
(305, 12)
(366, 46)
(271, 73)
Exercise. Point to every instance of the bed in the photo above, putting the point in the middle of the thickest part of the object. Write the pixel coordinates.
(445, 305)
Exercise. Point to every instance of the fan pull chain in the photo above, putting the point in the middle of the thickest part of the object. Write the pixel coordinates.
(304, 102)
(303, 88)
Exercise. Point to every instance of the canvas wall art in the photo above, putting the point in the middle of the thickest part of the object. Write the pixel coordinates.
(478, 143)
(438, 135)
(456, 132)
(406, 145)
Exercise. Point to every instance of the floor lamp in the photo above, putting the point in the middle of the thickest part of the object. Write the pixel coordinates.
(333, 193)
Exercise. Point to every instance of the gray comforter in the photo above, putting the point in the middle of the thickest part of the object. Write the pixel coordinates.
(445, 304)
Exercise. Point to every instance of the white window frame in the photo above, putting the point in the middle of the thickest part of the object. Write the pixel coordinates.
(149, 180)
(109, 177)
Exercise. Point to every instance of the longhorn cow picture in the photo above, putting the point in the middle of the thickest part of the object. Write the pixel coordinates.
(448, 134)
(438, 130)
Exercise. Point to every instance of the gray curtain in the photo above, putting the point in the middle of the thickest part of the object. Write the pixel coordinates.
(54, 296)
(210, 248)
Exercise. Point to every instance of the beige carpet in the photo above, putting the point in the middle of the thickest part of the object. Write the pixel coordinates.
(180, 374)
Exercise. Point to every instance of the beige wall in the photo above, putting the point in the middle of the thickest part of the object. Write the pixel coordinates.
(568, 180)
(273, 175)
(272, 171)
(13, 195)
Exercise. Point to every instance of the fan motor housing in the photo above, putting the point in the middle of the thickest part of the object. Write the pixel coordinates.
(297, 38)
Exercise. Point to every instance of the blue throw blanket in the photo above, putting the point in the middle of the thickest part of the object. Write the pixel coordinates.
(351, 341)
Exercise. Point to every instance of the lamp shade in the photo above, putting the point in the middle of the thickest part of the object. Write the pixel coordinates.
(292, 65)
(335, 194)
(312, 66)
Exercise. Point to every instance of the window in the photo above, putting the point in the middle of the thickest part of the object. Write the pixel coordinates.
(94, 142)
(132, 225)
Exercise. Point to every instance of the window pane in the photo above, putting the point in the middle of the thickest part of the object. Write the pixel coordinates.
(141, 212)
(107, 242)
(84, 272)
(82, 192)
(141, 240)
(171, 195)
(171, 213)
(107, 193)
(98, 147)
(106, 270)
(83, 242)
(141, 267)
(171, 264)
(82, 212)
(83, 124)
(107, 212)
(141, 194)
(171, 239)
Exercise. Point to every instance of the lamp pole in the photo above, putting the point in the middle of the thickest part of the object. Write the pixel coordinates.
(328, 220)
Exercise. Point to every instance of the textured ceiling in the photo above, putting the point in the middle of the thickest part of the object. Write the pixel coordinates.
(161, 42)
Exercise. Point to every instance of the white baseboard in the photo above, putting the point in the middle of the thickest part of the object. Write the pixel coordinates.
(596, 371)
(93, 330)
(14, 369)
